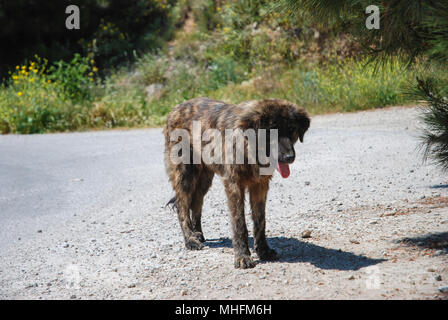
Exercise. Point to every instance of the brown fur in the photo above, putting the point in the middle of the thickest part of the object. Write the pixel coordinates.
(192, 181)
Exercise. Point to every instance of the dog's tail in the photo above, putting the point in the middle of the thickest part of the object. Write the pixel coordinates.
(172, 204)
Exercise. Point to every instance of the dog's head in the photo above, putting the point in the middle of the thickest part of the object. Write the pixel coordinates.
(290, 120)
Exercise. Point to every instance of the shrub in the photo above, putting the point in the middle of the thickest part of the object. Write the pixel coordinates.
(434, 139)
(75, 77)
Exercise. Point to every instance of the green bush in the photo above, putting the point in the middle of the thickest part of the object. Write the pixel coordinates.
(75, 77)
(224, 70)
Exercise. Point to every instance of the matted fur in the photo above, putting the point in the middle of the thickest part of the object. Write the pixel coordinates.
(192, 181)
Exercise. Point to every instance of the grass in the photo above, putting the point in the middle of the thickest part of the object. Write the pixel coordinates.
(37, 104)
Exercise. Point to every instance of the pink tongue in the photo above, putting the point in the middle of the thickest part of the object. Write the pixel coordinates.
(283, 168)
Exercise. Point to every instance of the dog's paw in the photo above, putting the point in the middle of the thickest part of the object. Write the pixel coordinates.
(193, 243)
(199, 236)
(244, 262)
(268, 254)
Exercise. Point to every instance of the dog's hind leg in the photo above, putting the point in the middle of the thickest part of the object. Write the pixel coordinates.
(258, 193)
(240, 240)
(203, 184)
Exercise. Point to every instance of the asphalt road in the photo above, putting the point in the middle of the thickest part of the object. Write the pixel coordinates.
(47, 179)
(81, 218)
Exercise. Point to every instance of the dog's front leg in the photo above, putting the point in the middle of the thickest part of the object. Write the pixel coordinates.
(258, 194)
(240, 241)
(192, 239)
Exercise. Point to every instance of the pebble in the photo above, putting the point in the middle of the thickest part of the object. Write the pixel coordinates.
(352, 277)
(307, 183)
(438, 277)
(354, 241)
(443, 289)
(306, 234)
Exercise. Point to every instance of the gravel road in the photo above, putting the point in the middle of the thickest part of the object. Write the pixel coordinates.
(81, 218)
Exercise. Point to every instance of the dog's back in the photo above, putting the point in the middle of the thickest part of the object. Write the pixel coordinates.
(211, 113)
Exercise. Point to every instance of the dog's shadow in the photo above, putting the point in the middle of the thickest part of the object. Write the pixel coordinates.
(291, 250)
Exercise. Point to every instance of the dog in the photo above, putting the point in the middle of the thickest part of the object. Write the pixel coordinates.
(191, 180)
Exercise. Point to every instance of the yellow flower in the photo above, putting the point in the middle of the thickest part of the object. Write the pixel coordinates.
(17, 67)
(19, 93)
(91, 74)
(92, 61)
(95, 69)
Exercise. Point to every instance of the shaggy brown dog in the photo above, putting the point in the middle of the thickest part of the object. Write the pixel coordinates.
(192, 181)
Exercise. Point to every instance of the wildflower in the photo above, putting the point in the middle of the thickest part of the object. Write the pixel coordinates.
(91, 74)
(17, 67)
(19, 93)
(95, 69)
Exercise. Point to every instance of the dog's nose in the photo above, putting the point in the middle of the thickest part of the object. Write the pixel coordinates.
(289, 157)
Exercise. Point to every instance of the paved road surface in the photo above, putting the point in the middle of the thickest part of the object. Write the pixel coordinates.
(47, 179)
(87, 210)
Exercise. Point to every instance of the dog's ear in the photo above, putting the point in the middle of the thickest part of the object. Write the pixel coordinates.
(303, 121)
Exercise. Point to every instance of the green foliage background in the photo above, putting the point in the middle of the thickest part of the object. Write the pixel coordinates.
(132, 61)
